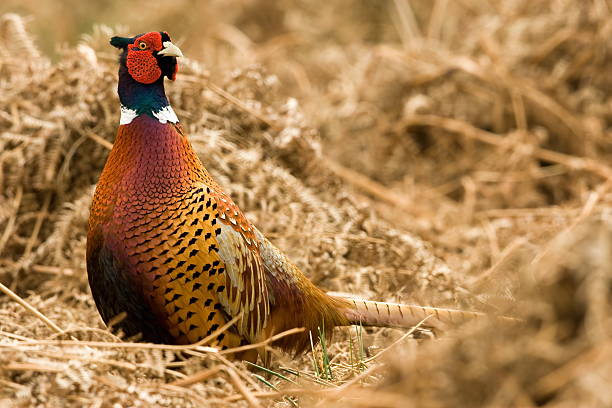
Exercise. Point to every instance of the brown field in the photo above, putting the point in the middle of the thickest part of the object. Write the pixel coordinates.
(448, 153)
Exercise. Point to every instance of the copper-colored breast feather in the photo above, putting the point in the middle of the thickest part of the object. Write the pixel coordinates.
(184, 247)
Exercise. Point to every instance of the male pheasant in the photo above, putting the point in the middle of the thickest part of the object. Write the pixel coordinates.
(169, 250)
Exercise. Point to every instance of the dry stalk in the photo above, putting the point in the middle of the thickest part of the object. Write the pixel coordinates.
(490, 273)
(30, 309)
(197, 377)
(31, 367)
(244, 391)
(10, 225)
(563, 236)
(464, 129)
(237, 102)
(366, 184)
(40, 217)
(262, 343)
(573, 369)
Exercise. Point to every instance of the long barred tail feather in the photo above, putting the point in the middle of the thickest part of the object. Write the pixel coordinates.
(385, 314)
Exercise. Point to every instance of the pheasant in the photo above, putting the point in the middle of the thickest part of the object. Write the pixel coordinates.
(173, 254)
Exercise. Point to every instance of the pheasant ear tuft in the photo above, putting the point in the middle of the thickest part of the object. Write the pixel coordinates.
(121, 42)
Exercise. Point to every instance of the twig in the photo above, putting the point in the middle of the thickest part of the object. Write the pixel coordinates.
(106, 344)
(543, 50)
(53, 270)
(248, 395)
(30, 308)
(10, 225)
(472, 132)
(530, 212)
(14, 385)
(104, 361)
(194, 397)
(108, 382)
(197, 377)
(572, 369)
(489, 273)
(396, 342)
(409, 29)
(263, 343)
(366, 184)
(229, 364)
(31, 367)
(584, 214)
(436, 19)
(383, 399)
(262, 394)
(101, 141)
(145, 346)
(14, 336)
(587, 210)
(220, 330)
(44, 212)
(352, 237)
(232, 99)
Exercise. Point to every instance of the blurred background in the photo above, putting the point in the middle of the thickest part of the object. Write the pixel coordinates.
(383, 59)
(431, 151)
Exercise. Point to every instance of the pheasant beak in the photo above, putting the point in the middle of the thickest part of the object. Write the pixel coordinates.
(170, 50)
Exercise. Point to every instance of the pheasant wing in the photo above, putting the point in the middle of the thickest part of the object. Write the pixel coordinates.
(246, 290)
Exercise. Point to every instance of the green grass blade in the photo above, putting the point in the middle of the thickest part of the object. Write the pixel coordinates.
(271, 372)
(290, 371)
(326, 366)
(263, 380)
(269, 384)
(314, 357)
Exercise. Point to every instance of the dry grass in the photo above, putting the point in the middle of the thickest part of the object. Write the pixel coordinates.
(447, 153)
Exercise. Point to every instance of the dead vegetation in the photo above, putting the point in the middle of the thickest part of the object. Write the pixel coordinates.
(447, 153)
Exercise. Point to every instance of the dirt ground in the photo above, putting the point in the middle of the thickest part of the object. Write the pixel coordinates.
(441, 153)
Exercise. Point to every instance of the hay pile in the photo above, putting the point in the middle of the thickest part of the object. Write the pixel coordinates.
(448, 154)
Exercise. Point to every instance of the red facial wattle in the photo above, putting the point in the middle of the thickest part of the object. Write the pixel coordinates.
(143, 67)
(141, 63)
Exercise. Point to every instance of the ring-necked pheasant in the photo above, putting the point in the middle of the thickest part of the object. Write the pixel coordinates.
(167, 247)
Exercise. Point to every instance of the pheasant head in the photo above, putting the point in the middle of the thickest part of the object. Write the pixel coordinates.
(145, 61)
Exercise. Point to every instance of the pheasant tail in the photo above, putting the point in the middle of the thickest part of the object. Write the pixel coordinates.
(385, 314)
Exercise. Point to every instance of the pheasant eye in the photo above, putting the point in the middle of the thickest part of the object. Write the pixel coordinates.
(142, 45)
